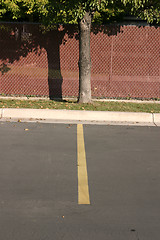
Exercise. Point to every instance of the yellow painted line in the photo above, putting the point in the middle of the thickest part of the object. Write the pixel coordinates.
(83, 189)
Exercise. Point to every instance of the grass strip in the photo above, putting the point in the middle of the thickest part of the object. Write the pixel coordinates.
(72, 105)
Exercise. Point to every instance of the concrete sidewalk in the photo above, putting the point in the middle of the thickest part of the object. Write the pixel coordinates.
(74, 116)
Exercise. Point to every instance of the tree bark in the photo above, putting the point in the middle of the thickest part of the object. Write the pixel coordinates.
(84, 59)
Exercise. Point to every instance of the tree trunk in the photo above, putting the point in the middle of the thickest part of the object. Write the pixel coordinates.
(84, 59)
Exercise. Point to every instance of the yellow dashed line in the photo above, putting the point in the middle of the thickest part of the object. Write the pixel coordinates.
(83, 189)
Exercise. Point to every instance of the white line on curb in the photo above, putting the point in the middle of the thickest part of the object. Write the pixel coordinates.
(1, 113)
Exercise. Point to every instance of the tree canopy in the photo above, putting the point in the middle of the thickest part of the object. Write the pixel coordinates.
(63, 11)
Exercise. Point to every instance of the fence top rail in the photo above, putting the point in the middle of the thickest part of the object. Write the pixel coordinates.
(133, 22)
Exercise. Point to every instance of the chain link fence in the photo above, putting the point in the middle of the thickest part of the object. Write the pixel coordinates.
(36, 62)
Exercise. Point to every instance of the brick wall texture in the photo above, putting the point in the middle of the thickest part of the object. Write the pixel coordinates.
(125, 61)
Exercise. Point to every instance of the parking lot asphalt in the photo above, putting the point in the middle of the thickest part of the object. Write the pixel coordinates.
(40, 182)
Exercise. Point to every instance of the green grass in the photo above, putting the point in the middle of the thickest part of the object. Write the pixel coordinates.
(72, 105)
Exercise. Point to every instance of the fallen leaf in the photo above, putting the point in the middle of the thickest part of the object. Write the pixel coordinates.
(26, 129)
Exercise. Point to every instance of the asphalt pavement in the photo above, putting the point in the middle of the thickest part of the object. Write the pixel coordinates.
(39, 182)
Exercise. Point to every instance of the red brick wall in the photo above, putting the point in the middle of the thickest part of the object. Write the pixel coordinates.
(125, 61)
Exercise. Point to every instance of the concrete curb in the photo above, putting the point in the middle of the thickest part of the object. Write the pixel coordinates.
(156, 118)
(75, 115)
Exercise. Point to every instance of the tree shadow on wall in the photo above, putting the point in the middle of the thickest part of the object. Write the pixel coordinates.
(19, 39)
(55, 80)
(52, 41)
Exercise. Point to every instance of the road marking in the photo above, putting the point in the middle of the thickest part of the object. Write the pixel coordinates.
(83, 189)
